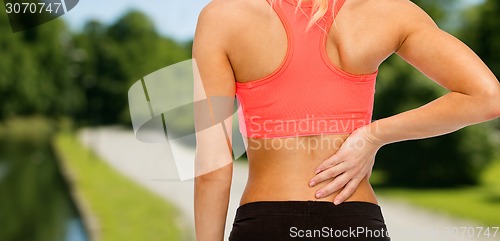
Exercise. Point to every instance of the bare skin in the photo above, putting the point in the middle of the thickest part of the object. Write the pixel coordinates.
(243, 40)
(294, 159)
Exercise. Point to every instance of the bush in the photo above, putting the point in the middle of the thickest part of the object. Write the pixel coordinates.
(24, 130)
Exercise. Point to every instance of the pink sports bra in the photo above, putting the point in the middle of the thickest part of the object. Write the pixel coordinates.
(307, 94)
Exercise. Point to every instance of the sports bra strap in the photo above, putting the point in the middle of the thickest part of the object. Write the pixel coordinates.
(338, 6)
(307, 94)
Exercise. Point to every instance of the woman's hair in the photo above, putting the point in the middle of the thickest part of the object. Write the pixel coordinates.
(319, 9)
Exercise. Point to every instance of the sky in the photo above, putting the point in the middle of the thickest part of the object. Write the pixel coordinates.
(174, 18)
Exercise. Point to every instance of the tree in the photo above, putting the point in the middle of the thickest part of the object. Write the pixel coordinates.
(50, 71)
(481, 33)
(36, 70)
(117, 56)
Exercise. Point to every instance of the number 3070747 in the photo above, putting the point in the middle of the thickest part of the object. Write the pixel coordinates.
(33, 8)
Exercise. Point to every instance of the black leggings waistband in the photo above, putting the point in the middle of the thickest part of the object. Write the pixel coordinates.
(309, 208)
(308, 220)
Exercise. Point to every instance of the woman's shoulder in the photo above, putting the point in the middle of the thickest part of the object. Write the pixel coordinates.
(233, 10)
(393, 11)
(241, 9)
(394, 19)
(225, 20)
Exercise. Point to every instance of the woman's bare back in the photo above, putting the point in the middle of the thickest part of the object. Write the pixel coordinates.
(280, 169)
(360, 39)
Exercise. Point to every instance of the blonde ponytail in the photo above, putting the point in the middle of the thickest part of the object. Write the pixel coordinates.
(319, 9)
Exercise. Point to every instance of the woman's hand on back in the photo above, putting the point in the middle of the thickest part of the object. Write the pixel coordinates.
(348, 166)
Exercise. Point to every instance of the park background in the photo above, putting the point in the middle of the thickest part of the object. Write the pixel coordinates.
(74, 72)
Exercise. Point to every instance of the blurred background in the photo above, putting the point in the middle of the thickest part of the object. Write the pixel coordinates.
(70, 77)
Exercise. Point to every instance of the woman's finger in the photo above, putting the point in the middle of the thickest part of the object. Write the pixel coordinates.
(347, 191)
(339, 182)
(327, 174)
(369, 174)
(334, 160)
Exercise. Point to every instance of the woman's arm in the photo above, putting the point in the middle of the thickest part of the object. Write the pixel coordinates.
(474, 97)
(214, 91)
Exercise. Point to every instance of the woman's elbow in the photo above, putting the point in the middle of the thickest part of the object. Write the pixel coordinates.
(213, 184)
(222, 175)
(493, 104)
(496, 111)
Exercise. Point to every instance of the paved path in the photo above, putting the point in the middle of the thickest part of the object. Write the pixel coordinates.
(148, 165)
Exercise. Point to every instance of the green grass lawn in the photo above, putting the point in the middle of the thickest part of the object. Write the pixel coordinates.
(124, 210)
(480, 203)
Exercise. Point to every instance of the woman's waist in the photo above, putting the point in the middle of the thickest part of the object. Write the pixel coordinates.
(283, 185)
(279, 172)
